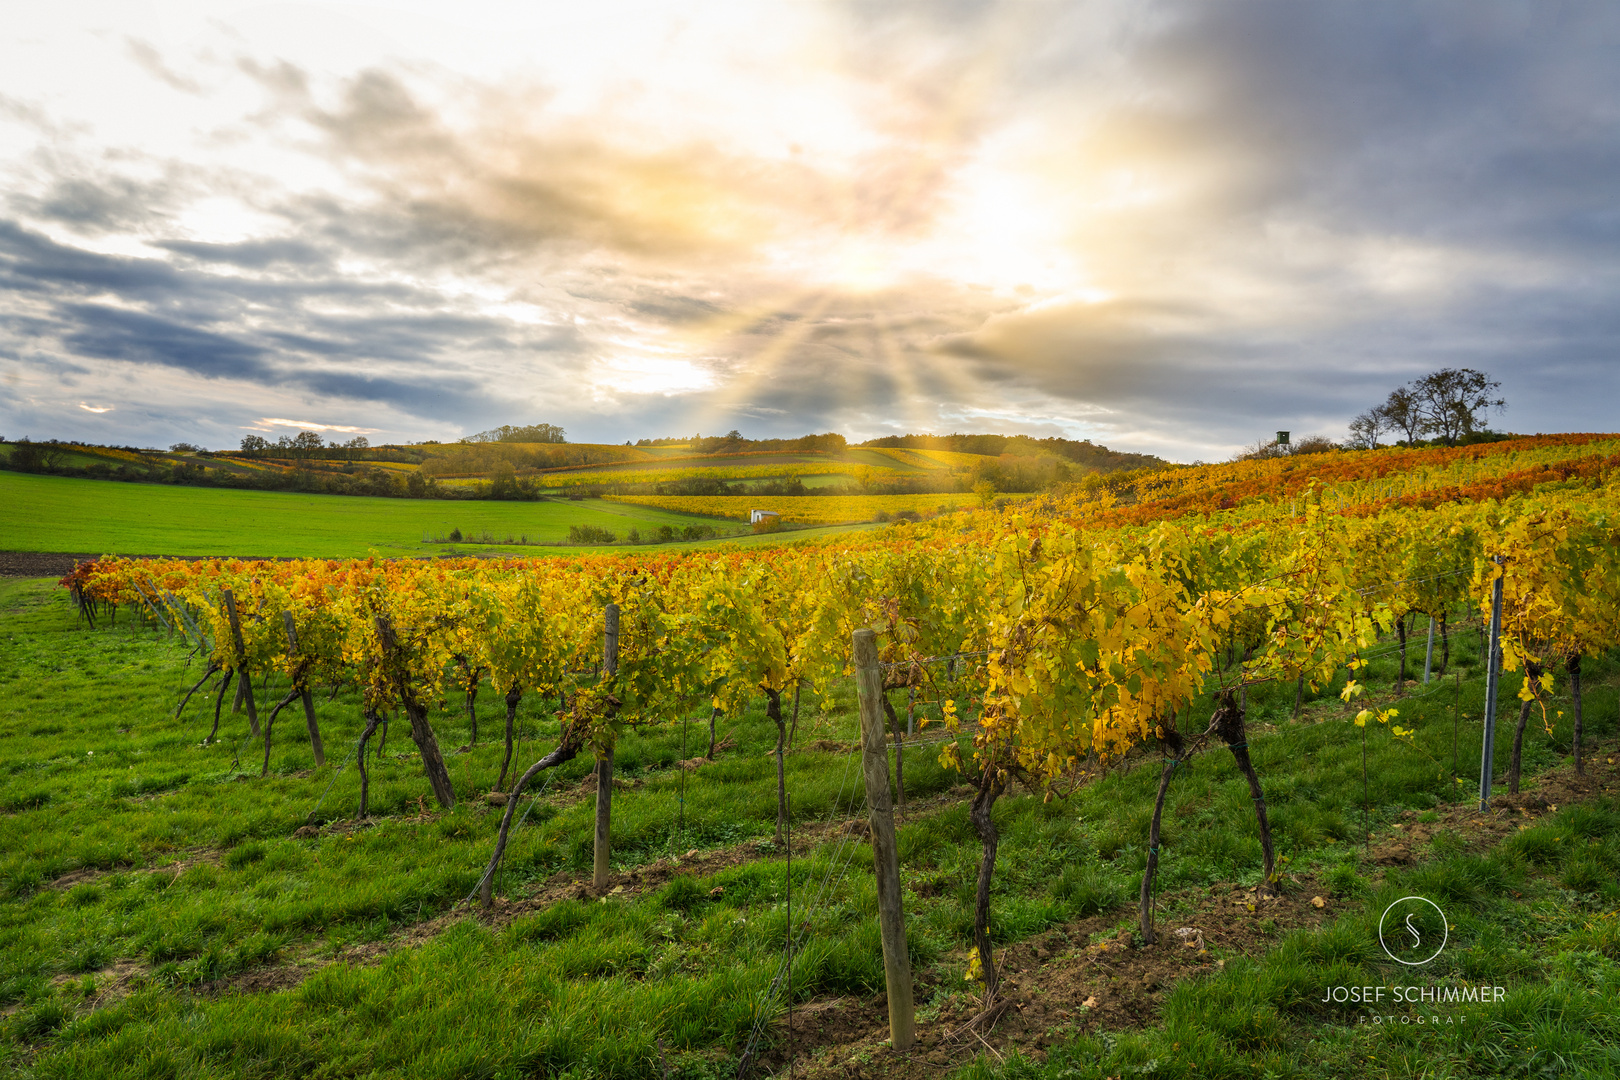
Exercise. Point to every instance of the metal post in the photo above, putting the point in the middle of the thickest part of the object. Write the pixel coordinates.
(885, 852)
(1492, 678)
(1428, 654)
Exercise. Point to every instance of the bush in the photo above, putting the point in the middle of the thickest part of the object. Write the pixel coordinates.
(589, 534)
(455, 536)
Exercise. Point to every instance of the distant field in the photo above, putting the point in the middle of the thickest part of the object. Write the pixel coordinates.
(804, 509)
(49, 513)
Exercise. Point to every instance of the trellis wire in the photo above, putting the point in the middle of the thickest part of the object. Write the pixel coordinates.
(839, 861)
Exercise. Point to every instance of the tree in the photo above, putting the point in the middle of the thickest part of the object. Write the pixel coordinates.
(1365, 429)
(29, 456)
(255, 444)
(1451, 401)
(307, 443)
(503, 482)
(1312, 444)
(1403, 412)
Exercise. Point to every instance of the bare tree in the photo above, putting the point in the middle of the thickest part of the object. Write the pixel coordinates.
(1403, 412)
(1365, 429)
(1452, 401)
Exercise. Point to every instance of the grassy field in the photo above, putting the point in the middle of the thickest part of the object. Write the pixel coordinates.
(550, 466)
(158, 917)
(47, 513)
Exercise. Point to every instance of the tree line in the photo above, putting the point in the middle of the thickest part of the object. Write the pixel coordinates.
(306, 444)
(1080, 452)
(1450, 404)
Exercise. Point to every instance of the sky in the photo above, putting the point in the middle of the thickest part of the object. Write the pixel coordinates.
(1170, 228)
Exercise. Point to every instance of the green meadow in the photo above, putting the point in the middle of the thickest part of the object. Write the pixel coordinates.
(159, 918)
(49, 513)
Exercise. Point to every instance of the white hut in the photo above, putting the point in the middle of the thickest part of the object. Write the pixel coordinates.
(757, 516)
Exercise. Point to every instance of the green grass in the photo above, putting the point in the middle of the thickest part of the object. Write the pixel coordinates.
(188, 874)
(1517, 923)
(49, 513)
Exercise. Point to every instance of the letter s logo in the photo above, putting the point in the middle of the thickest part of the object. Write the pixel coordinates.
(1417, 939)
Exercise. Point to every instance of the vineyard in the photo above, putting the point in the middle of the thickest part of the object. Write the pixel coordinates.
(1052, 646)
(818, 510)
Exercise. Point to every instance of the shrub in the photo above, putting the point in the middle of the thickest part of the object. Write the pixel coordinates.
(589, 534)
(455, 536)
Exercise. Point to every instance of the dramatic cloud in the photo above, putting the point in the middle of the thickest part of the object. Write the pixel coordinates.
(1171, 227)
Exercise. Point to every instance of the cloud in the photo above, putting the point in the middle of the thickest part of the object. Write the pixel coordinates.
(251, 254)
(1167, 224)
(109, 333)
(148, 58)
(310, 425)
(202, 323)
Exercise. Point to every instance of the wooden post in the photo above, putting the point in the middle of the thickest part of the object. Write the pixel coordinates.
(303, 689)
(1428, 654)
(885, 852)
(604, 759)
(244, 687)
